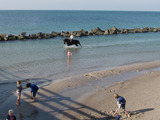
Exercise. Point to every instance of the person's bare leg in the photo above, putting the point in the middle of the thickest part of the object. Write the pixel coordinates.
(127, 113)
(115, 112)
(18, 100)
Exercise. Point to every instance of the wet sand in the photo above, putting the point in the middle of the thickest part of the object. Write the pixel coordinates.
(90, 96)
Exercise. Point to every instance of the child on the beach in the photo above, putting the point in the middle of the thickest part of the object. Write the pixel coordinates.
(34, 89)
(19, 89)
(69, 54)
(10, 115)
(121, 102)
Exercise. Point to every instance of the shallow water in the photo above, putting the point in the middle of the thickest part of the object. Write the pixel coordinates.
(47, 59)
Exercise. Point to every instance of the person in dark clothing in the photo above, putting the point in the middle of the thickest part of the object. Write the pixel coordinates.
(34, 89)
(10, 115)
(121, 102)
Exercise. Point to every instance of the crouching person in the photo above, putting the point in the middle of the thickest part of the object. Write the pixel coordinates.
(121, 102)
(34, 89)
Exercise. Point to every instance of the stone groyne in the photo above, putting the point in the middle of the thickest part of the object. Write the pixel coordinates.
(80, 33)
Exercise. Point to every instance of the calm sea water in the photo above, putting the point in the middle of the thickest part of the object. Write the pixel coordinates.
(44, 60)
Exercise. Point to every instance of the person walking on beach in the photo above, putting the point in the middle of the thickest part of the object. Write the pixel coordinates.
(69, 54)
(121, 102)
(19, 89)
(10, 115)
(34, 89)
(71, 38)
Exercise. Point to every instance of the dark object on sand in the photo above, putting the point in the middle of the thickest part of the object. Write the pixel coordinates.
(118, 117)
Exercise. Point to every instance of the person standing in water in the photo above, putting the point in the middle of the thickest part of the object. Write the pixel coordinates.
(71, 38)
(69, 54)
(19, 89)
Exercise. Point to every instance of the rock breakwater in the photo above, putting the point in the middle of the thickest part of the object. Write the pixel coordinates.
(80, 33)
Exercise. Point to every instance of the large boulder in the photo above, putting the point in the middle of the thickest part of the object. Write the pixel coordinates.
(12, 37)
(155, 30)
(158, 29)
(58, 34)
(77, 33)
(3, 37)
(20, 37)
(65, 34)
(113, 30)
(138, 30)
(131, 31)
(84, 32)
(40, 35)
(122, 31)
(89, 33)
(100, 33)
(33, 36)
(106, 32)
(152, 29)
(54, 34)
(27, 37)
(93, 31)
(145, 29)
(23, 33)
(62, 33)
(47, 36)
(97, 31)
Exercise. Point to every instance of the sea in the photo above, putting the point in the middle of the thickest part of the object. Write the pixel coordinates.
(45, 60)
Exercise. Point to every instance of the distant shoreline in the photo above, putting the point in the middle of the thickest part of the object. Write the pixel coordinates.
(89, 10)
(80, 33)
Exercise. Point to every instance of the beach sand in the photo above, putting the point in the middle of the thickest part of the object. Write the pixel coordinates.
(90, 96)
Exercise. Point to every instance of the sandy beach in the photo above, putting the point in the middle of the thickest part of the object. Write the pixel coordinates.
(90, 96)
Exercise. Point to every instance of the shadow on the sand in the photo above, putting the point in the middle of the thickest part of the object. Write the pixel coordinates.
(56, 105)
(133, 114)
(140, 111)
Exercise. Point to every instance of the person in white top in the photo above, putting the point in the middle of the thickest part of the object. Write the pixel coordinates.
(71, 37)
